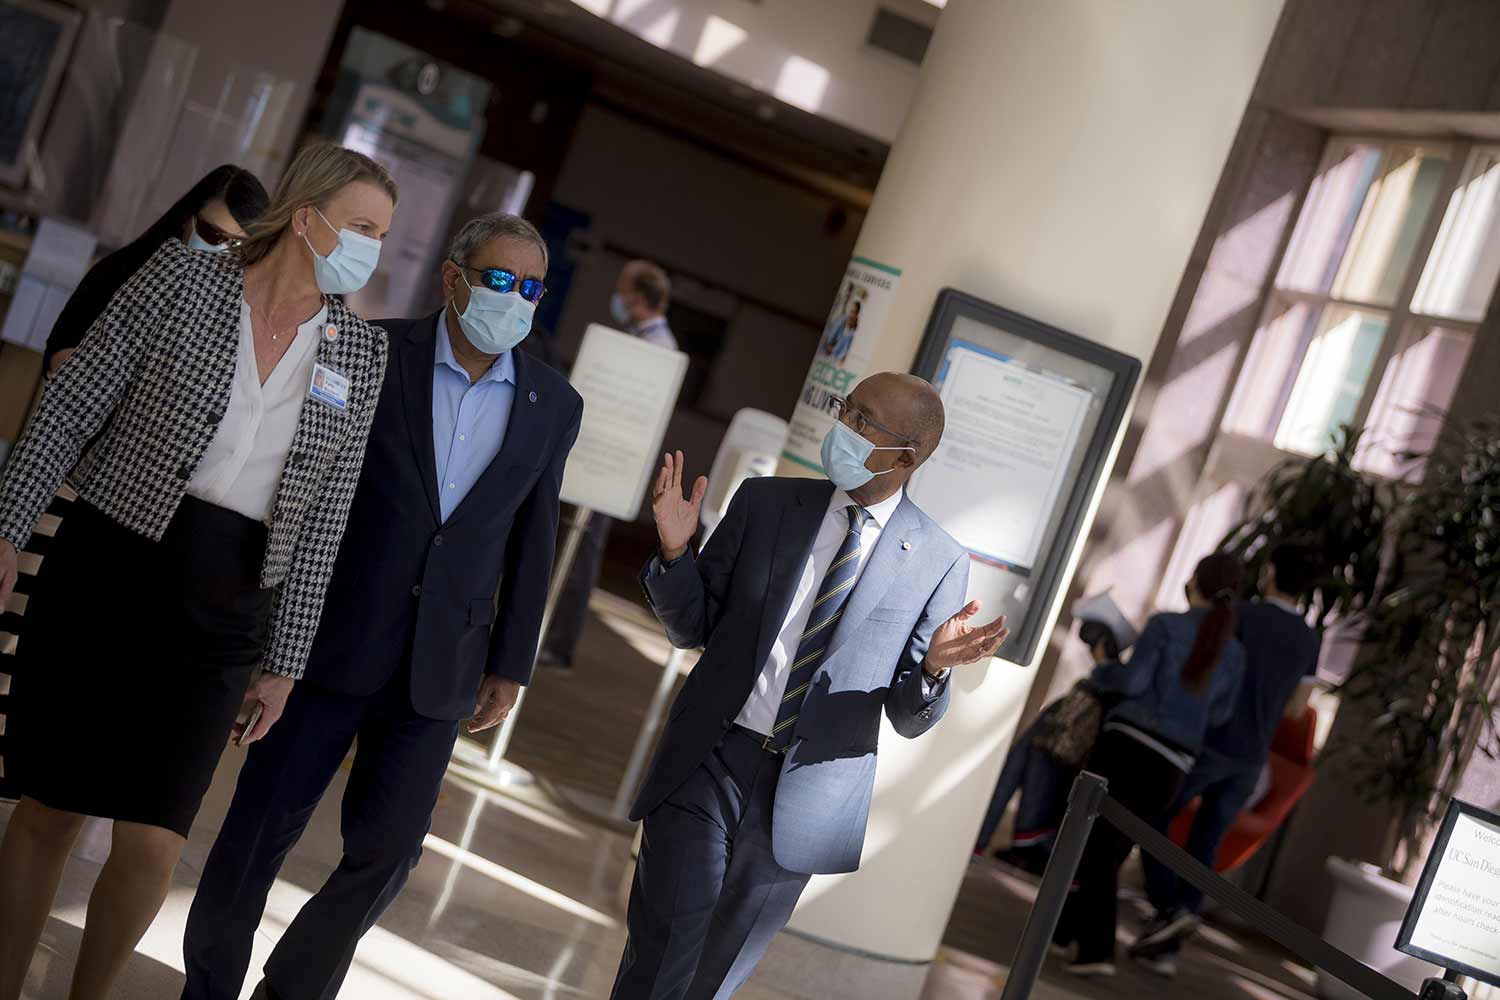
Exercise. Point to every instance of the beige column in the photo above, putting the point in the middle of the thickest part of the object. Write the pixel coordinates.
(1058, 159)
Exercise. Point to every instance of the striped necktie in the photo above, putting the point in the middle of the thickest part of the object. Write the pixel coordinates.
(838, 584)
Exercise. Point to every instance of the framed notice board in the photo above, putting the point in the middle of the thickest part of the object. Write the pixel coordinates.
(1454, 917)
(1032, 412)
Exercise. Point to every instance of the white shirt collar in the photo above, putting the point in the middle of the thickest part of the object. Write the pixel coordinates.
(881, 512)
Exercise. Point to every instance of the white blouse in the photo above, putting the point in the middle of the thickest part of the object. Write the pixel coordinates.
(241, 470)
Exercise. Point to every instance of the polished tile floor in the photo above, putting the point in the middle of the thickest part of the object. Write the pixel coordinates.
(519, 898)
(513, 900)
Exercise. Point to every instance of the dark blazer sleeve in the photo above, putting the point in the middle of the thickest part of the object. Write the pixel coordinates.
(908, 704)
(528, 568)
(80, 398)
(689, 597)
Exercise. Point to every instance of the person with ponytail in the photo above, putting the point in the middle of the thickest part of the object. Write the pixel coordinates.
(1182, 679)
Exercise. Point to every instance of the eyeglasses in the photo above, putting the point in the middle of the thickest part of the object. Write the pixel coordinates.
(498, 279)
(858, 420)
(212, 234)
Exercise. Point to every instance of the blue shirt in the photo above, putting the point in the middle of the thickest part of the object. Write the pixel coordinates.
(1154, 698)
(468, 420)
(1280, 650)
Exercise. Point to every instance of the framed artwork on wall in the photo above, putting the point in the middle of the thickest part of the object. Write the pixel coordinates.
(38, 38)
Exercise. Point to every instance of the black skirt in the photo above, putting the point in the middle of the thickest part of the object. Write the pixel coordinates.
(133, 663)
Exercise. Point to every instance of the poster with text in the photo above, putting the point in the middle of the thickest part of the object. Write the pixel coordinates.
(843, 358)
(1454, 918)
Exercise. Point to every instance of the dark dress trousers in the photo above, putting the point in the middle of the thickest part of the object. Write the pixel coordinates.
(732, 831)
(418, 611)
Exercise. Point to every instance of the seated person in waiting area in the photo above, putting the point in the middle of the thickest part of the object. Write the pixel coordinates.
(821, 604)
(1281, 658)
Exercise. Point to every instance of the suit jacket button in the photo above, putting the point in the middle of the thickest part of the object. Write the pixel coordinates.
(184, 473)
(437, 540)
(213, 420)
(416, 591)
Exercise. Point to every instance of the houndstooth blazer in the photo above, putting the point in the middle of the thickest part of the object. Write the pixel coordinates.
(157, 368)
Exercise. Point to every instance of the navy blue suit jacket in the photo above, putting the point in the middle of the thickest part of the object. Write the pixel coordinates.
(462, 598)
(733, 599)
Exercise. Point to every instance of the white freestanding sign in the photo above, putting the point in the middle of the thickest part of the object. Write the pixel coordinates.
(1454, 917)
(629, 388)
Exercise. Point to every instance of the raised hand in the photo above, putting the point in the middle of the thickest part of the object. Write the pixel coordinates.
(956, 642)
(676, 516)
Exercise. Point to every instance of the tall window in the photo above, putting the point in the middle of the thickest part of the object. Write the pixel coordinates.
(1388, 273)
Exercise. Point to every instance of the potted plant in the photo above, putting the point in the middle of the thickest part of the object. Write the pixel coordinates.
(1426, 677)
(1325, 503)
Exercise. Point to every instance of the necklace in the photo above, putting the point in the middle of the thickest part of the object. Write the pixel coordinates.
(268, 318)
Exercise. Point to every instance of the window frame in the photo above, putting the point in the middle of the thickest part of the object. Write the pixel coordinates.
(1400, 316)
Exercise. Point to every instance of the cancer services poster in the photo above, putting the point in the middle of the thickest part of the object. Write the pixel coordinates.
(843, 358)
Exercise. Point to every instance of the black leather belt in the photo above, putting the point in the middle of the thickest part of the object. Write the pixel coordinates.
(761, 739)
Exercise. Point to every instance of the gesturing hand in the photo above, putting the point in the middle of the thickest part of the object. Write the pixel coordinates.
(676, 518)
(956, 642)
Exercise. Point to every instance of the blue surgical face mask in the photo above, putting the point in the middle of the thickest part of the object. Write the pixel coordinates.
(844, 457)
(494, 323)
(349, 265)
(196, 242)
(618, 309)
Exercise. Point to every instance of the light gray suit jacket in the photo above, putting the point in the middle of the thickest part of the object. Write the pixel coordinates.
(733, 599)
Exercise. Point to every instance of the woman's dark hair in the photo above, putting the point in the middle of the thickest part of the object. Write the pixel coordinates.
(1217, 578)
(241, 193)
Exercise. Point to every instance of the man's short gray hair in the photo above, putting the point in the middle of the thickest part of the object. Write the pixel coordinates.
(484, 229)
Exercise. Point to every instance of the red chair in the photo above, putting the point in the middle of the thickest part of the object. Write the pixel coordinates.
(1291, 776)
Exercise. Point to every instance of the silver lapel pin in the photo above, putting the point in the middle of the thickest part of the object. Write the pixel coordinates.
(532, 397)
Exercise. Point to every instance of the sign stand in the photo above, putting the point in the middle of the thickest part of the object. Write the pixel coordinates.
(629, 389)
(620, 810)
(1456, 907)
(492, 763)
(1446, 988)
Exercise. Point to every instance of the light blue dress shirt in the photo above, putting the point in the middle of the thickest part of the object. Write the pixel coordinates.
(468, 419)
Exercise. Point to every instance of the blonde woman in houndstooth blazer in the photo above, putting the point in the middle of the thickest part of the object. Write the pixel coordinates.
(231, 394)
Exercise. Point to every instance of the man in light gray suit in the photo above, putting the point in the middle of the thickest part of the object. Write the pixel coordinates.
(820, 605)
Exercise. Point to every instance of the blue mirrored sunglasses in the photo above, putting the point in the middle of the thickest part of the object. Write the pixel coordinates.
(500, 280)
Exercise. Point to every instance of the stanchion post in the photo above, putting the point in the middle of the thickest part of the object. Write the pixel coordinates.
(621, 808)
(560, 573)
(1088, 792)
(1446, 988)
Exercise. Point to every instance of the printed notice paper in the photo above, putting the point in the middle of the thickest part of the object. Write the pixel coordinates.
(1455, 919)
(629, 388)
(995, 480)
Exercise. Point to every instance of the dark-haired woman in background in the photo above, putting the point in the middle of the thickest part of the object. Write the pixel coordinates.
(1183, 678)
(212, 214)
